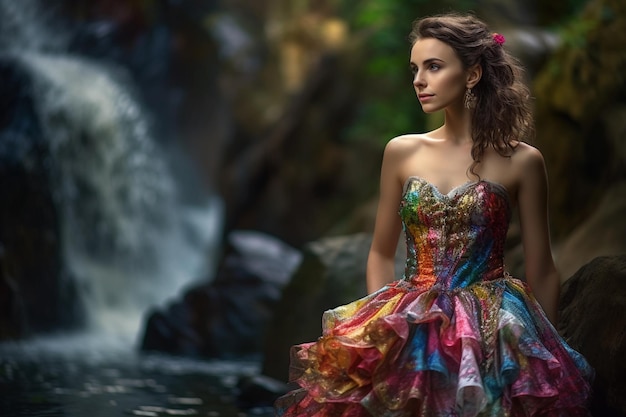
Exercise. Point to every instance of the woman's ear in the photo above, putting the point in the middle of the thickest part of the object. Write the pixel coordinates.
(474, 73)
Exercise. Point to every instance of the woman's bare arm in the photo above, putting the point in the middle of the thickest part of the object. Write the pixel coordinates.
(541, 273)
(381, 258)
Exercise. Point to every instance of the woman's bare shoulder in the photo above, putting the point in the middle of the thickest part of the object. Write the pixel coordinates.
(529, 167)
(404, 143)
(527, 157)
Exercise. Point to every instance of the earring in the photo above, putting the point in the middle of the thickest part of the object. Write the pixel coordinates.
(469, 100)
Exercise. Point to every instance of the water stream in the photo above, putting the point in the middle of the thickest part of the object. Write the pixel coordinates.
(90, 375)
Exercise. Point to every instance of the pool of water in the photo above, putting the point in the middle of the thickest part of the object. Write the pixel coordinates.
(100, 376)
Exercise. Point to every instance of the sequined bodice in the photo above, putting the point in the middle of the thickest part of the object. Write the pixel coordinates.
(454, 239)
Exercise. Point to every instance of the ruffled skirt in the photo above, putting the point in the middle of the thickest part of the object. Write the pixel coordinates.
(484, 350)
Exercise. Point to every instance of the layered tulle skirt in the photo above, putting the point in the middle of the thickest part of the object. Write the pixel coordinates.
(484, 350)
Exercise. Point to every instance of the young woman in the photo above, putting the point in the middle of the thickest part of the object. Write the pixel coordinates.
(457, 335)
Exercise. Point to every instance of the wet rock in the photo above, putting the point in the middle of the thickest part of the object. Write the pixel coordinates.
(227, 317)
(593, 321)
(259, 391)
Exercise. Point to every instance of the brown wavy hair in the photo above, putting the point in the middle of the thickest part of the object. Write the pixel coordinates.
(502, 116)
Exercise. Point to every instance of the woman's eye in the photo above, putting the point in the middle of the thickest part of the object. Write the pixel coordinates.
(413, 70)
(434, 67)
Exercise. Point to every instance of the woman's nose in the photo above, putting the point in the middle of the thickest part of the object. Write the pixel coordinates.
(418, 81)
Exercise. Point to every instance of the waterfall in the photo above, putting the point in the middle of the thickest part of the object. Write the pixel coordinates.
(128, 237)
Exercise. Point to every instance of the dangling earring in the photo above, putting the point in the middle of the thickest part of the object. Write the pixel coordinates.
(470, 99)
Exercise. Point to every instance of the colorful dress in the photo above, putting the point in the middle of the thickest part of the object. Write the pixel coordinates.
(456, 336)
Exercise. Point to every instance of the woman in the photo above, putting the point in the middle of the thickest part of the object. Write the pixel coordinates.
(457, 335)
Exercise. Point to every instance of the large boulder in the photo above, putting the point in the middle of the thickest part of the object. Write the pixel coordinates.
(226, 317)
(593, 321)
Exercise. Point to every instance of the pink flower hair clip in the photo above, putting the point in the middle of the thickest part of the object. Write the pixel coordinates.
(499, 39)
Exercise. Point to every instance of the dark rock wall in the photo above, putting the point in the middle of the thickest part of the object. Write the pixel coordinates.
(580, 96)
(36, 293)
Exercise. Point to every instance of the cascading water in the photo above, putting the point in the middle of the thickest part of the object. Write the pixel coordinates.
(127, 237)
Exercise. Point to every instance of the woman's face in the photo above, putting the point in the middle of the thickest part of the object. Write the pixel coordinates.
(438, 75)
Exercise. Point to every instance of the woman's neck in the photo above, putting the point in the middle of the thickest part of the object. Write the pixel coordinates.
(457, 127)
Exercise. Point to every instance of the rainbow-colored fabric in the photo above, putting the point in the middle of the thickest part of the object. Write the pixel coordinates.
(456, 336)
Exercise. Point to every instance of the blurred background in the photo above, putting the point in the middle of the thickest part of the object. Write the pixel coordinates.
(185, 185)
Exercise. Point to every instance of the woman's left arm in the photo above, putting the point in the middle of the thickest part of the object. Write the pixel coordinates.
(541, 272)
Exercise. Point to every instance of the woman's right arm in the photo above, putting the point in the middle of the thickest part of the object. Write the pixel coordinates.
(381, 258)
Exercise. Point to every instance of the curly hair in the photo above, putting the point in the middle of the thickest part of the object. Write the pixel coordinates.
(502, 116)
